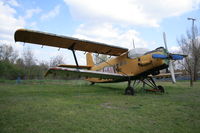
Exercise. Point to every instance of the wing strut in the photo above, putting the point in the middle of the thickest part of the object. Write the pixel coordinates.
(74, 54)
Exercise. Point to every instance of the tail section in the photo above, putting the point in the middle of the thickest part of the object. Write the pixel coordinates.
(89, 59)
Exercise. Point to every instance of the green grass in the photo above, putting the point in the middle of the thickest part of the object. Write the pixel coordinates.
(77, 107)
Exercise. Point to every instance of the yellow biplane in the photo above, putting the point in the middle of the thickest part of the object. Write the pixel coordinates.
(128, 65)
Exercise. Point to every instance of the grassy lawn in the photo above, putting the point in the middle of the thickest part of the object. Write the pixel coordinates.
(77, 107)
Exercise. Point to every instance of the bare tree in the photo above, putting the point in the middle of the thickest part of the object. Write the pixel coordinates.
(44, 65)
(29, 63)
(100, 58)
(55, 61)
(28, 57)
(20, 62)
(7, 53)
(190, 45)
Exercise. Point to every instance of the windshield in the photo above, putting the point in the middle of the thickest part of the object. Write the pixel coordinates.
(137, 52)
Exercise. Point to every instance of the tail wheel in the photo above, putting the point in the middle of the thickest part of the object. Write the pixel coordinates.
(129, 91)
(161, 89)
(92, 83)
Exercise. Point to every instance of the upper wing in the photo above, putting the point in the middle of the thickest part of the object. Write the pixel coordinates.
(54, 40)
(85, 73)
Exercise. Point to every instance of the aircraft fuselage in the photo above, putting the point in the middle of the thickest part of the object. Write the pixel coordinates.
(143, 65)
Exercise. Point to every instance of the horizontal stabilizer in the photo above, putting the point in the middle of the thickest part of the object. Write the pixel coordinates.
(166, 75)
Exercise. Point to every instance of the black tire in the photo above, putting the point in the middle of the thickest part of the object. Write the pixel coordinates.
(129, 91)
(162, 90)
(92, 83)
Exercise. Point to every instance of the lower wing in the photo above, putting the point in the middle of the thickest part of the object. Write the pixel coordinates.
(75, 66)
(77, 73)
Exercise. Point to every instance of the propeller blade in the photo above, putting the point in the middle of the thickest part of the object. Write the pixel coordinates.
(159, 56)
(177, 56)
(165, 42)
(171, 68)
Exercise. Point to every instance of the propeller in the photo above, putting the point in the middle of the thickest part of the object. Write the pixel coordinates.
(169, 56)
(171, 67)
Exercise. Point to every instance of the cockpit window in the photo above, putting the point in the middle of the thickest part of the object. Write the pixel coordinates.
(137, 52)
(160, 49)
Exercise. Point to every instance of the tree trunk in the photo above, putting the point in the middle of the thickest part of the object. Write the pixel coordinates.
(191, 79)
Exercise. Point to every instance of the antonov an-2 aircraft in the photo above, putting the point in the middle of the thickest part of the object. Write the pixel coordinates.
(128, 65)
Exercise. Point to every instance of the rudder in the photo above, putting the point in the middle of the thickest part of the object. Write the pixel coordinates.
(89, 59)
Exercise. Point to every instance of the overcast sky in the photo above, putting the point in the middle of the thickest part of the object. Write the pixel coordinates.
(116, 22)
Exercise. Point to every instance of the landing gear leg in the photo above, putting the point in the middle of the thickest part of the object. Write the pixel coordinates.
(151, 83)
(129, 90)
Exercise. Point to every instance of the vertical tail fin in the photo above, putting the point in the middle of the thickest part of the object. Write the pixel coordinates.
(89, 59)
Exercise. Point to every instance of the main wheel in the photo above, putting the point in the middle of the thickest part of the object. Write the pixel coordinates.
(129, 91)
(161, 88)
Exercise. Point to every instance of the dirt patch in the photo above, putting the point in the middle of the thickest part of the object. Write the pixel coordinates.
(108, 105)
